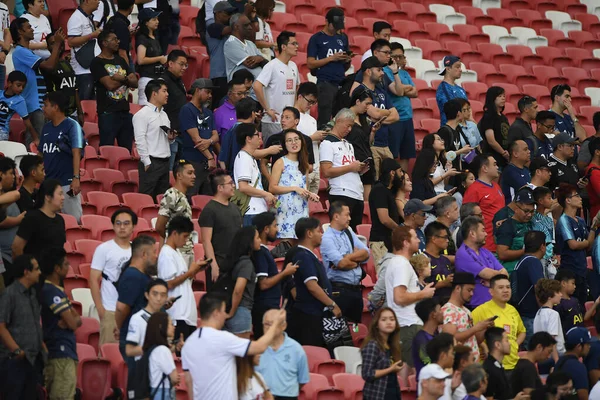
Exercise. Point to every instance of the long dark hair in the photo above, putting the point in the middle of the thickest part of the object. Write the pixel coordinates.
(156, 332)
(302, 155)
(242, 241)
(393, 342)
(47, 188)
(421, 171)
(490, 100)
(428, 144)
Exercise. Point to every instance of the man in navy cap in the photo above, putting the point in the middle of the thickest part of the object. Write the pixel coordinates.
(577, 343)
(415, 214)
(510, 235)
(449, 89)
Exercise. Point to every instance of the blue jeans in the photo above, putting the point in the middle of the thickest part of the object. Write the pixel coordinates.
(175, 146)
(85, 86)
(163, 393)
(117, 125)
(19, 379)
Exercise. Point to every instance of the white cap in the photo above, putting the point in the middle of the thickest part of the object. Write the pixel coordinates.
(431, 371)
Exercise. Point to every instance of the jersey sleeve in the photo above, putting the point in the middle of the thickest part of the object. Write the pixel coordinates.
(99, 258)
(55, 299)
(133, 331)
(326, 151)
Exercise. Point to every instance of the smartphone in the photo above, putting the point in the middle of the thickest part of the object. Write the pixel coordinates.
(208, 261)
(494, 318)
(452, 191)
(367, 160)
(176, 298)
(284, 305)
(378, 122)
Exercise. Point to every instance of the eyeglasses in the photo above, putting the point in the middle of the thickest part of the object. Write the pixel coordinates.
(183, 64)
(293, 44)
(443, 237)
(387, 52)
(547, 126)
(527, 212)
(294, 140)
(232, 183)
(122, 223)
(310, 102)
(399, 56)
(574, 195)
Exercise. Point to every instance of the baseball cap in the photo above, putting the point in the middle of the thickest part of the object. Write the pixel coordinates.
(448, 61)
(562, 138)
(415, 205)
(524, 196)
(577, 335)
(201, 83)
(538, 163)
(433, 371)
(336, 17)
(146, 14)
(388, 165)
(463, 278)
(223, 6)
(371, 62)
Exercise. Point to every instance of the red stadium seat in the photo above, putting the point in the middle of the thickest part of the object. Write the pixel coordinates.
(411, 30)
(114, 181)
(87, 247)
(106, 203)
(364, 230)
(590, 22)
(93, 379)
(517, 75)
(201, 200)
(588, 112)
(119, 158)
(513, 94)
(89, 333)
(142, 204)
(360, 334)
(86, 352)
(417, 12)
(471, 12)
(557, 38)
(388, 11)
(430, 125)
(351, 384)
(74, 282)
(487, 73)
(110, 351)
(320, 362)
(316, 383)
(471, 34)
(537, 91)
(547, 75)
(90, 113)
(475, 90)
(523, 55)
(188, 15)
(579, 78)
(314, 22)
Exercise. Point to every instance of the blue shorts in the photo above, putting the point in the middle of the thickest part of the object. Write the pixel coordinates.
(241, 322)
(402, 140)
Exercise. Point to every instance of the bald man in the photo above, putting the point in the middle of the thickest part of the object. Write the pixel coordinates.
(288, 358)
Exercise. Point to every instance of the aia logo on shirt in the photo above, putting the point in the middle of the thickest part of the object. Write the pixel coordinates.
(347, 160)
(507, 329)
(289, 84)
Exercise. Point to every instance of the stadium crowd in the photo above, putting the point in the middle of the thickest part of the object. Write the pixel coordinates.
(472, 265)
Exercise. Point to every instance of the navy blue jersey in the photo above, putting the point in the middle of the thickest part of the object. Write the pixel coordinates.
(321, 46)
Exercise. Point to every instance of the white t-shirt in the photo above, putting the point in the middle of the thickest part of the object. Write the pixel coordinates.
(209, 356)
(161, 362)
(264, 33)
(548, 320)
(4, 19)
(339, 154)
(308, 126)
(399, 272)
(109, 258)
(41, 28)
(171, 264)
(595, 393)
(246, 169)
(280, 82)
(367, 54)
(461, 392)
(99, 13)
(255, 390)
(439, 171)
(136, 331)
(80, 25)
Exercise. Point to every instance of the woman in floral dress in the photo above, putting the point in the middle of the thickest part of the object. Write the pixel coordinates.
(288, 182)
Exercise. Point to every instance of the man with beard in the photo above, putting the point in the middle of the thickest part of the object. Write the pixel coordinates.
(510, 236)
(384, 212)
(372, 79)
(269, 279)
(473, 258)
(199, 134)
(458, 320)
(132, 285)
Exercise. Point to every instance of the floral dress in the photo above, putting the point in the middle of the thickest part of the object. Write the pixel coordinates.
(290, 206)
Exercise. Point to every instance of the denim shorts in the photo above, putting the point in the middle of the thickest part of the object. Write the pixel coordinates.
(241, 322)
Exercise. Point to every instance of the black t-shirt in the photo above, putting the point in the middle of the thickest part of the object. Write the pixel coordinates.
(153, 49)
(109, 101)
(41, 232)
(119, 24)
(422, 189)
(63, 78)
(500, 125)
(524, 376)
(562, 172)
(277, 139)
(382, 197)
(498, 386)
(359, 138)
(225, 221)
(177, 98)
(26, 202)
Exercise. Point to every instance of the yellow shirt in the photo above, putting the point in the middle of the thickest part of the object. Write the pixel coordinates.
(509, 320)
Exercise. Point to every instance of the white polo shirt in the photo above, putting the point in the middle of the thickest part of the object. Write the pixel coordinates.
(209, 356)
(280, 81)
(171, 265)
(399, 272)
(109, 258)
(41, 28)
(80, 25)
(308, 126)
(341, 153)
(246, 169)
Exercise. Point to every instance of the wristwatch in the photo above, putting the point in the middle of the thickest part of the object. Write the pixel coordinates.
(332, 306)
(16, 353)
(76, 177)
(575, 120)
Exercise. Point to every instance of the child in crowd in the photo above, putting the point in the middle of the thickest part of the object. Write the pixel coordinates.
(422, 266)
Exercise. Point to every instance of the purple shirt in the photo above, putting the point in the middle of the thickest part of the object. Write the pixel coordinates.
(468, 261)
(225, 118)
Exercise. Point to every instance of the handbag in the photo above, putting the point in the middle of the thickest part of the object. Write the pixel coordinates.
(86, 54)
(335, 329)
(242, 200)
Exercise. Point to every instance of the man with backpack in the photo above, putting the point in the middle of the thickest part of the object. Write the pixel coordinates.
(539, 144)
(524, 277)
(107, 264)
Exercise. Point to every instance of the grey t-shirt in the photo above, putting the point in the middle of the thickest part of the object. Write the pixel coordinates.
(236, 52)
(245, 269)
(7, 236)
(225, 221)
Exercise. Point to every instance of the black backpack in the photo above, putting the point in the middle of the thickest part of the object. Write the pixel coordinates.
(138, 384)
(201, 24)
